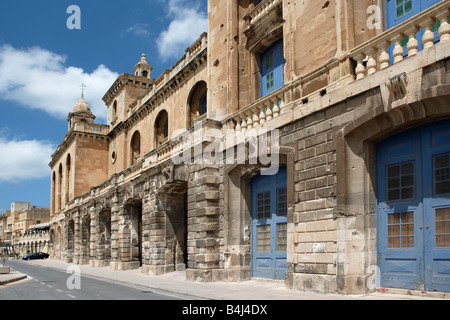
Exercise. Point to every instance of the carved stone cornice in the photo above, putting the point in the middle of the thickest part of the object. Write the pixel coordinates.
(123, 80)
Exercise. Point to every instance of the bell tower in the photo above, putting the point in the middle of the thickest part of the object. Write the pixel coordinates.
(81, 113)
(143, 68)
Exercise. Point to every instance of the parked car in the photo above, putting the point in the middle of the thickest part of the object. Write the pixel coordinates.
(36, 255)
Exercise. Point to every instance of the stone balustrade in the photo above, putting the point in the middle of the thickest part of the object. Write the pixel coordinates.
(34, 236)
(373, 55)
(261, 10)
(259, 112)
(97, 128)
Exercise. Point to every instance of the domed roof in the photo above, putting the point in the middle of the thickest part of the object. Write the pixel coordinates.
(81, 106)
(141, 66)
(143, 61)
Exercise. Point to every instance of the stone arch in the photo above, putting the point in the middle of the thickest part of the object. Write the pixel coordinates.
(104, 237)
(60, 183)
(131, 233)
(135, 147)
(85, 256)
(53, 200)
(114, 112)
(161, 128)
(197, 102)
(356, 173)
(238, 216)
(68, 178)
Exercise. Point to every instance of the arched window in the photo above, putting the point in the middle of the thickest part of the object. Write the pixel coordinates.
(162, 128)
(114, 112)
(68, 178)
(54, 192)
(60, 181)
(135, 147)
(197, 102)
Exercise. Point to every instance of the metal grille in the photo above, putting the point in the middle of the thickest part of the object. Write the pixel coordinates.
(443, 228)
(400, 178)
(263, 238)
(442, 174)
(263, 205)
(281, 202)
(282, 237)
(401, 230)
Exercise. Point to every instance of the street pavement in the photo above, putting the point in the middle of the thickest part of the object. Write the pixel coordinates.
(176, 286)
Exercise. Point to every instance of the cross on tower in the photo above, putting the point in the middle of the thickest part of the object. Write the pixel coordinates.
(82, 89)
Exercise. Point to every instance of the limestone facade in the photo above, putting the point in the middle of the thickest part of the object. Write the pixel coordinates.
(21, 221)
(121, 197)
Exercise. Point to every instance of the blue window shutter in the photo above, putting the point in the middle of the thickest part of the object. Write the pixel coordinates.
(272, 68)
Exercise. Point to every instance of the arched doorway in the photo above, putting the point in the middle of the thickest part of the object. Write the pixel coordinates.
(413, 208)
(133, 213)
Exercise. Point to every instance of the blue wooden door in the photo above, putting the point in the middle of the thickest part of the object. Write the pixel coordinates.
(272, 68)
(436, 226)
(399, 212)
(413, 213)
(269, 226)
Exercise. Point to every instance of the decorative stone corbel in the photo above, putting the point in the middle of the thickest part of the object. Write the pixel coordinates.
(398, 86)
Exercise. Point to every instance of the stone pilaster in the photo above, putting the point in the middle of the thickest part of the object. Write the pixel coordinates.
(204, 225)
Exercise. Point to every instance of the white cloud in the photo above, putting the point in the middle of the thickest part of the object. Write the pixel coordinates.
(38, 79)
(139, 29)
(24, 160)
(187, 24)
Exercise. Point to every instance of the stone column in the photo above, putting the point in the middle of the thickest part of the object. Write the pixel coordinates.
(84, 239)
(76, 239)
(68, 253)
(116, 210)
(204, 224)
(155, 214)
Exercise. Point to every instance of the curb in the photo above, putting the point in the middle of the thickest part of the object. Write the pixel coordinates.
(11, 278)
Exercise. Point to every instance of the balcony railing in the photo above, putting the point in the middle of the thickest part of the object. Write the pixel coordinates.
(261, 10)
(373, 55)
(259, 112)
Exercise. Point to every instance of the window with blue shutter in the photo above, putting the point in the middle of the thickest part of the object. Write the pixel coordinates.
(272, 68)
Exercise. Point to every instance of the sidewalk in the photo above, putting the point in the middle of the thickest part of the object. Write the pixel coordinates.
(13, 276)
(248, 290)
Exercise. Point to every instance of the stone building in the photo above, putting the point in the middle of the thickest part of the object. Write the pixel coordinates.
(16, 223)
(348, 101)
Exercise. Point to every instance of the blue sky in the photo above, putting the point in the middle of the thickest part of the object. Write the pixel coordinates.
(43, 63)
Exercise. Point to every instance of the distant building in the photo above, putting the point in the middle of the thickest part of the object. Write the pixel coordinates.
(19, 221)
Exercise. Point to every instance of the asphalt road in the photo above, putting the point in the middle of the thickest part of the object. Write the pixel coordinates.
(51, 284)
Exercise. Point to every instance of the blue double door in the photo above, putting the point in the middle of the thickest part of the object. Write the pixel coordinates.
(413, 213)
(269, 225)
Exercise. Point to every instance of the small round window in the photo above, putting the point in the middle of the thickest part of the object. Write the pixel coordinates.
(113, 157)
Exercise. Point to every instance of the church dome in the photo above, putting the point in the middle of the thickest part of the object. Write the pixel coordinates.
(81, 106)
